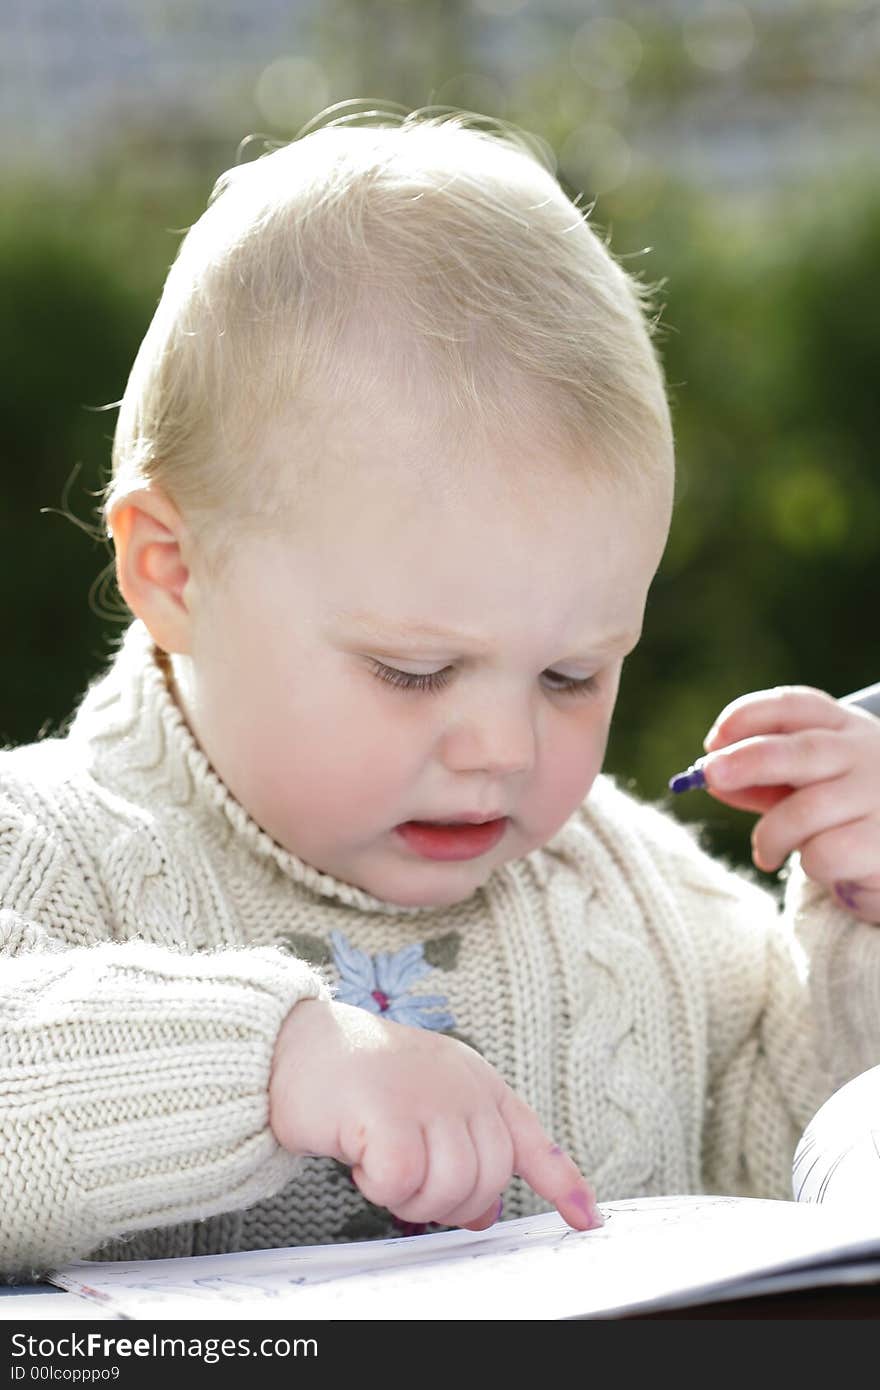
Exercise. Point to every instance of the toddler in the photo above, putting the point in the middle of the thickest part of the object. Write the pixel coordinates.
(320, 920)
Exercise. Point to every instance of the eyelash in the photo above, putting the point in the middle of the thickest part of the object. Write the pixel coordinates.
(436, 680)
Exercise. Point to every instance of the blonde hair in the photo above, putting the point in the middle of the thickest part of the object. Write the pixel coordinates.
(422, 240)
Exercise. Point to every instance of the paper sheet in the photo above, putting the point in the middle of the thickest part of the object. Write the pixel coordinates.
(651, 1253)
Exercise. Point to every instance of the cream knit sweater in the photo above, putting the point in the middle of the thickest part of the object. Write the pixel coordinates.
(671, 1027)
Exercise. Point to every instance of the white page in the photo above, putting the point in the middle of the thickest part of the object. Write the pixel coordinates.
(652, 1252)
(51, 1307)
(837, 1161)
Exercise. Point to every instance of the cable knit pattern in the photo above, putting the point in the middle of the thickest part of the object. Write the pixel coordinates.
(671, 1026)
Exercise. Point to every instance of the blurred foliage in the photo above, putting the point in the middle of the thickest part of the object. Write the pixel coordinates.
(770, 574)
(77, 291)
(770, 337)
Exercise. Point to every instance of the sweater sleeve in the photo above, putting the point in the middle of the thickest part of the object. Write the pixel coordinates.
(765, 1077)
(844, 976)
(793, 990)
(133, 1076)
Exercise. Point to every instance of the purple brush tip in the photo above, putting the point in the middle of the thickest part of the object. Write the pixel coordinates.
(688, 781)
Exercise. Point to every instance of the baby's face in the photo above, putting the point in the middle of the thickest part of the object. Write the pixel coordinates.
(290, 685)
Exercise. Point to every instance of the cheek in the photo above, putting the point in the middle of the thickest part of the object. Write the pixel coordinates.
(574, 752)
(338, 752)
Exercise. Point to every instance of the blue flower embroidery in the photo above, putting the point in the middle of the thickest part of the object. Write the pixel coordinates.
(380, 984)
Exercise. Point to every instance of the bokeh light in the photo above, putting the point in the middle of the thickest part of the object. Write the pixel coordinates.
(606, 52)
(502, 8)
(290, 90)
(636, 198)
(720, 36)
(473, 91)
(808, 509)
(595, 157)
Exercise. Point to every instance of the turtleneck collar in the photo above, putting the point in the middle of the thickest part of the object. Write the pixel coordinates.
(137, 743)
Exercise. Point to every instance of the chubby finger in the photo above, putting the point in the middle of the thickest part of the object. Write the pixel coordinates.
(757, 799)
(488, 1218)
(493, 1147)
(451, 1176)
(812, 812)
(860, 897)
(777, 760)
(845, 857)
(391, 1168)
(780, 710)
(548, 1169)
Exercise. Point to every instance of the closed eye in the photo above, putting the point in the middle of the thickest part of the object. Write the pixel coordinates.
(436, 680)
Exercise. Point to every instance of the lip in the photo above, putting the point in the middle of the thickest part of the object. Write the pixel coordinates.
(465, 818)
(463, 840)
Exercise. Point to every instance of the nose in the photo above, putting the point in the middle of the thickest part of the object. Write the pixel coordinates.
(499, 739)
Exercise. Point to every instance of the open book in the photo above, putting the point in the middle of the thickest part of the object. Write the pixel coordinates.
(652, 1253)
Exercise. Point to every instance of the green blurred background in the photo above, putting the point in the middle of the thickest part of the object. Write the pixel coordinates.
(732, 151)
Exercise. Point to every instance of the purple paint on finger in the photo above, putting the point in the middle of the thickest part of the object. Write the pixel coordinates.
(555, 1150)
(848, 893)
(587, 1205)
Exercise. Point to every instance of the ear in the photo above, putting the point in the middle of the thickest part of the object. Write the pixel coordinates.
(152, 550)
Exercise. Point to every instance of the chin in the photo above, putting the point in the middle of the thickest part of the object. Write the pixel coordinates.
(440, 895)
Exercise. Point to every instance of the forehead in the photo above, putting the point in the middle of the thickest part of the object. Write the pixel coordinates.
(403, 461)
(573, 572)
(425, 526)
(392, 426)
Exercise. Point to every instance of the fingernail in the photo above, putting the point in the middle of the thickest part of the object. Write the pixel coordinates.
(586, 1203)
(596, 1217)
(761, 862)
(500, 1209)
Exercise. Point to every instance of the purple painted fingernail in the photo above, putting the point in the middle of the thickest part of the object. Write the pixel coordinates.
(500, 1209)
(848, 892)
(555, 1150)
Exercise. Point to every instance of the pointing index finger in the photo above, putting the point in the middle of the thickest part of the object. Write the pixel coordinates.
(552, 1174)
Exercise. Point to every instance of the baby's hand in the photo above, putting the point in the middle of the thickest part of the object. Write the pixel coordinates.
(811, 766)
(429, 1129)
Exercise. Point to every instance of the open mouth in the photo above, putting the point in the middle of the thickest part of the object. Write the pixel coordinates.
(452, 840)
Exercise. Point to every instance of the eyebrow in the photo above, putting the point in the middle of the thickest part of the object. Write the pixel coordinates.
(379, 628)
